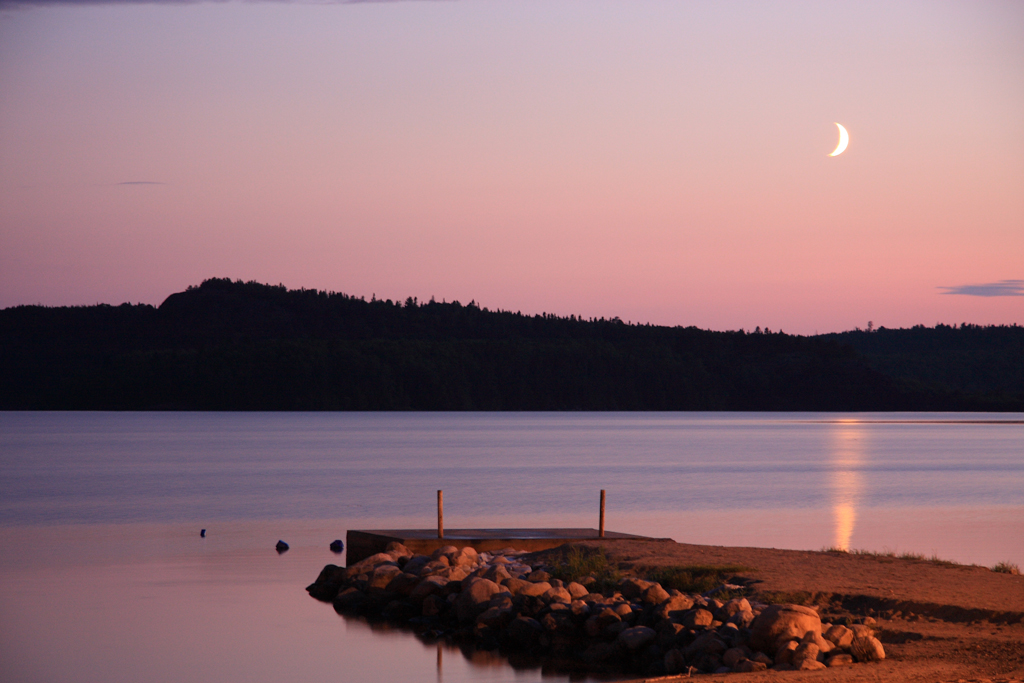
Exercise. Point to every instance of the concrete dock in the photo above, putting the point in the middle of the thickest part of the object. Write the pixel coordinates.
(361, 544)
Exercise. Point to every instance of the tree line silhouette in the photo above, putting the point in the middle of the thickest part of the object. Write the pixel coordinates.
(227, 345)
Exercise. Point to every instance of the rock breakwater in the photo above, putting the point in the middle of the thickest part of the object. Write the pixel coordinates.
(497, 600)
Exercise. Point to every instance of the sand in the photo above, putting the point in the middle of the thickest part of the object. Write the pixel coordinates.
(937, 621)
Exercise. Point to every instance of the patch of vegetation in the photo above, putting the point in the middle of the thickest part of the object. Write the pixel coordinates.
(580, 562)
(1007, 568)
(694, 578)
(787, 597)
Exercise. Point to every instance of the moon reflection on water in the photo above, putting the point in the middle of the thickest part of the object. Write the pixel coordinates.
(846, 480)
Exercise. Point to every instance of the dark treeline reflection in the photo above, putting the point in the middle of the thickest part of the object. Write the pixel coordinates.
(247, 346)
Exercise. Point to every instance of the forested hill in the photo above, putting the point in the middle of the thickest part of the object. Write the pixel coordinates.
(246, 346)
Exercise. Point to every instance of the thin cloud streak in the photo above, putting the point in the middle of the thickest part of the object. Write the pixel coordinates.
(9, 4)
(1001, 288)
(141, 182)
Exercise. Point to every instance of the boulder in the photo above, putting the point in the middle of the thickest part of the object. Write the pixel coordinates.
(474, 598)
(524, 631)
(824, 646)
(654, 595)
(433, 605)
(674, 661)
(802, 653)
(733, 656)
(748, 666)
(867, 649)
(496, 573)
(348, 599)
(674, 607)
(742, 619)
(577, 590)
(281, 546)
(465, 557)
(733, 606)
(397, 550)
(637, 637)
(784, 655)
(415, 564)
(839, 635)
(432, 585)
(494, 617)
(810, 665)
(632, 588)
(839, 660)
(556, 595)
(403, 583)
(367, 564)
(600, 621)
(381, 576)
(535, 589)
(696, 618)
(707, 644)
(514, 585)
(444, 551)
(337, 545)
(538, 576)
(778, 623)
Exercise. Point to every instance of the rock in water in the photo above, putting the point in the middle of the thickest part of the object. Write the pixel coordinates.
(202, 533)
(337, 546)
(281, 546)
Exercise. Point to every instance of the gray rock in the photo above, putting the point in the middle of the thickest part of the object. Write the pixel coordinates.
(654, 594)
(779, 623)
(867, 649)
(396, 550)
(839, 660)
(465, 557)
(674, 662)
(444, 551)
(674, 607)
(535, 589)
(803, 652)
(632, 588)
(475, 595)
(577, 590)
(524, 631)
(637, 637)
(839, 635)
(696, 618)
(556, 595)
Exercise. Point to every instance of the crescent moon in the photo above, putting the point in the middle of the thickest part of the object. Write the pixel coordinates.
(844, 140)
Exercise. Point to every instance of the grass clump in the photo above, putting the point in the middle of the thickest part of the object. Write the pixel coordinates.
(580, 562)
(692, 578)
(1007, 568)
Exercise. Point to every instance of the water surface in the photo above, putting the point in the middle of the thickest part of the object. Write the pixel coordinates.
(104, 577)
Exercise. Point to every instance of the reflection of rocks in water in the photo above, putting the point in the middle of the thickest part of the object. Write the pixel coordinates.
(531, 619)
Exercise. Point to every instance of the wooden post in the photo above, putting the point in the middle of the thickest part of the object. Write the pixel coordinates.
(600, 528)
(440, 513)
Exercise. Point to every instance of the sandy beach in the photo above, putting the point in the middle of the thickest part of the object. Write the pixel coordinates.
(938, 621)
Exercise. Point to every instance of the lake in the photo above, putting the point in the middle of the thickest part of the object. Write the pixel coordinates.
(103, 574)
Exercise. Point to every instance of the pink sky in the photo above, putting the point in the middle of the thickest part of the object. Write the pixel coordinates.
(661, 162)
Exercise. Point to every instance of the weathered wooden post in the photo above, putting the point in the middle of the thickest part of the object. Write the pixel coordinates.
(440, 513)
(600, 528)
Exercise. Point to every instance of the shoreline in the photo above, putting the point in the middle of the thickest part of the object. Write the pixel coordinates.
(936, 620)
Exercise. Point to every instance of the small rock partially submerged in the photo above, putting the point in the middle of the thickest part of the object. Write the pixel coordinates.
(494, 599)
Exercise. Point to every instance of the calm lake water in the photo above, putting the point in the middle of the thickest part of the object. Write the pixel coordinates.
(103, 575)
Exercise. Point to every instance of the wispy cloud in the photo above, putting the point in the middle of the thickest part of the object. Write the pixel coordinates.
(1001, 288)
(141, 182)
(8, 4)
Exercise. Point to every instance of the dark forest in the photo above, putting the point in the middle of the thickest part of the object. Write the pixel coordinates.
(247, 346)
